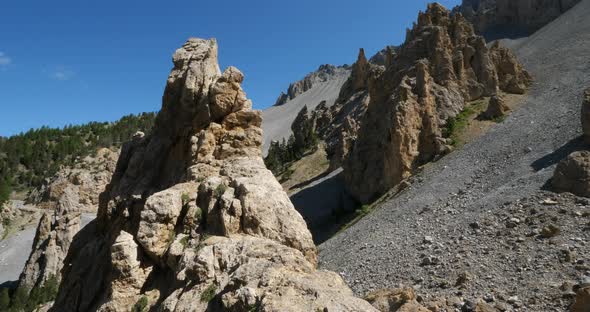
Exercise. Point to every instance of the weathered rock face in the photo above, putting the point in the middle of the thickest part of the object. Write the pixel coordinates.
(88, 178)
(192, 220)
(573, 174)
(500, 18)
(441, 65)
(54, 235)
(586, 116)
(338, 124)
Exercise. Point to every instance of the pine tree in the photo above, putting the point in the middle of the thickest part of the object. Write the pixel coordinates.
(4, 299)
(4, 191)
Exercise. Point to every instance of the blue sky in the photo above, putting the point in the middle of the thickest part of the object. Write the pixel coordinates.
(70, 62)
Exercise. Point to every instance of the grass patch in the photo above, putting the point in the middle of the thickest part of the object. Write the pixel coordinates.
(184, 241)
(209, 293)
(140, 305)
(456, 126)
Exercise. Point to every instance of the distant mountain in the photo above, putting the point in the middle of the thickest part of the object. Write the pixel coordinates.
(497, 19)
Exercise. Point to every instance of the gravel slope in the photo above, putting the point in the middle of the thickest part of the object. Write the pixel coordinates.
(277, 120)
(488, 180)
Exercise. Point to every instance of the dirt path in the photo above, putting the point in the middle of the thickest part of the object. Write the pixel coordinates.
(465, 201)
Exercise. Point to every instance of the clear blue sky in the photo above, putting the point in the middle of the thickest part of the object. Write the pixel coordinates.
(69, 62)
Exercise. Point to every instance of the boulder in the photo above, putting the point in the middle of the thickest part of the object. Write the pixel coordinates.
(573, 174)
(399, 299)
(582, 303)
(496, 108)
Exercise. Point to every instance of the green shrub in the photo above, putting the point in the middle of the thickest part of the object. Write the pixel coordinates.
(43, 294)
(198, 213)
(456, 125)
(185, 199)
(220, 190)
(209, 293)
(4, 299)
(184, 241)
(140, 305)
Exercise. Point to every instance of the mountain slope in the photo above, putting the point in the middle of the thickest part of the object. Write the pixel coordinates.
(277, 120)
(483, 182)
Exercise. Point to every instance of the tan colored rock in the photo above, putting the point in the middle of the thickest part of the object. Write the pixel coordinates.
(271, 277)
(573, 174)
(441, 66)
(192, 219)
(226, 94)
(391, 299)
(128, 274)
(54, 235)
(496, 108)
(157, 222)
(512, 77)
(582, 303)
(87, 177)
(586, 116)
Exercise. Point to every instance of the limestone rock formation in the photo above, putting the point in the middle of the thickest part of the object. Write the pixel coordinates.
(586, 116)
(501, 18)
(55, 233)
(192, 220)
(441, 65)
(496, 108)
(338, 124)
(88, 178)
(573, 174)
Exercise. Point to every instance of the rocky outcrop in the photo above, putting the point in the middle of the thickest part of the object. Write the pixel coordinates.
(87, 177)
(582, 303)
(192, 219)
(440, 67)
(324, 73)
(496, 108)
(586, 116)
(55, 233)
(508, 18)
(573, 174)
